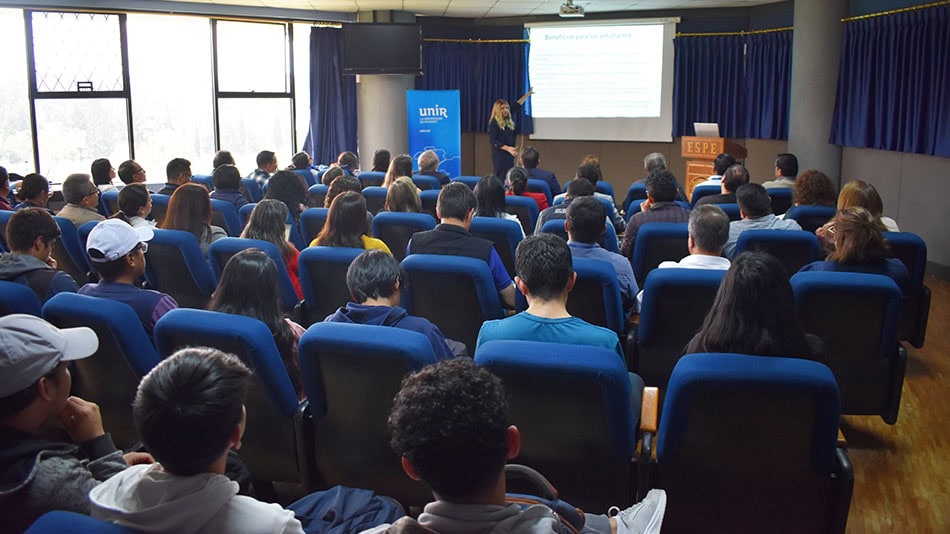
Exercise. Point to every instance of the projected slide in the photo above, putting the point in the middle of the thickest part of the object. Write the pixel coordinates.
(596, 70)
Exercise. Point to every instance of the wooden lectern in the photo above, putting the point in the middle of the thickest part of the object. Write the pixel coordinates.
(700, 152)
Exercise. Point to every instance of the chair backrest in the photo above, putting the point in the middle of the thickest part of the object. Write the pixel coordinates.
(375, 198)
(675, 303)
(470, 181)
(323, 279)
(245, 211)
(294, 236)
(311, 222)
(69, 253)
(18, 298)
(159, 207)
(396, 229)
(111, 200)
(430, 198)
(701, 191)
(810, 218)
(526, 209)
(203, 179)
(225, 215)
(318, 193)
(596, 295)
(781, 199)
(371, 178)
(857, 316)
(4, 219)
(221, 251)
(61, 521)
(792, 248)
(573, 406)
(84, 232)
(174, 264)
(351, 373)
(608, 240)
(635, 193)
(111, 376)
(658, 242)
(456, 293)
(732, 210)
(601, 187)
(756, 430)
(505, 233)
(306, 176)
(912, 251)
(269, 444)
(426, 182)
(540, 186)
(254, 193)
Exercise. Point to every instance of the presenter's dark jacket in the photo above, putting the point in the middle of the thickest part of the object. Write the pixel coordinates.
(501, 160)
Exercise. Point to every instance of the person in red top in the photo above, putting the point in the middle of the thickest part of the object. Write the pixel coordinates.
(516, 184)
(268, 223)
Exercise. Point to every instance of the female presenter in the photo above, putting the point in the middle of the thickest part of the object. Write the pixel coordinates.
(502, 136)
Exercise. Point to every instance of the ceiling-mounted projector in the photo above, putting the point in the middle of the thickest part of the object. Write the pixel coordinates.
(568, 9)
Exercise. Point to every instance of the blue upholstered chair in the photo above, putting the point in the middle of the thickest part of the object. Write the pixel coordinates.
(792, 248)
(4, 219)
(574, 406)
(732, 210)
(110, 199)
(749, 444)
(810, 218)
(703, 190)
(323, 280)
(69, 253)
(425, 182)
(596, 295)
(111, 376)
(430, 198)
(295, 236)
(781, 199)
(221, 251)
(658, 242)
(274, 416)
(601, 187)
(912, 251)
(225, 215)
(203, 179)
(675, 303)
(306, 175)
(174, 264)
(505, 233)
(311, 222)
(84, 230)
(254, 193)
(159, 207)
(351, 373)
(540, 186)
(396, 229)
(470, 181)
(526, 209)
(608, 240)
(318, 193)
(454, 292)
(59, 521)
(637, 192)
(371, 178)
(245, 211)
(18, 298)
(375, 198)
(857, 316)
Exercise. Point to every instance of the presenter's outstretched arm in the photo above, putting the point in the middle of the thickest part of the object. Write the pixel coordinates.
(525, 96)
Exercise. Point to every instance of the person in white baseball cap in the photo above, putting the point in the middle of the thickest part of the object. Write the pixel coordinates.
(117, 251)
(38, 475)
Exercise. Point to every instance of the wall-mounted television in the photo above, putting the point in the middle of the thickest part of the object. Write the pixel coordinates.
(382, 48)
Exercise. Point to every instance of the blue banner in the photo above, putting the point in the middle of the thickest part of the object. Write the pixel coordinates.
(434, 125)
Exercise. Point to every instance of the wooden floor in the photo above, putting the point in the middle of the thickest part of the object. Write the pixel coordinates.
(902, 472)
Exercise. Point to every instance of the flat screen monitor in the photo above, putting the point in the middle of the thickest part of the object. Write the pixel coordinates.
(382, 48)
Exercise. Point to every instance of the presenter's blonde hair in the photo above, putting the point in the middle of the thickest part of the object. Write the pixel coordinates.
(505, 123)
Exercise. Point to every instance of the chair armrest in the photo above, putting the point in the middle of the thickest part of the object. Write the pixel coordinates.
(649, 410)
(842, 441)
(646, 451)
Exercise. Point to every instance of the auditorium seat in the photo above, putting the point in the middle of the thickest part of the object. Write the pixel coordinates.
(601, 187)
(311, 222)
(254, 193)
(912, 251)
(636, 193)
(540, 186)
(69, 253)
(608, 240)
(701, 191)
(781, 199)
(375, 198)
(84, 232)
(470, 181)
(810, 218)
(732, 210)
(58, 521)
(18, 298)
(595, 297)
(225, 216)
(430, 200)
(425, 182)
(174, 264)
(658, 242)
(221, 251)
(318, 194)
(396, 229)
(323, 280)
(526, 209)
(371, 178)
(306, 177)
(109, 200)
(4, 219)
(792, 248)
(504, 233)
(159, 207)
(203, 179)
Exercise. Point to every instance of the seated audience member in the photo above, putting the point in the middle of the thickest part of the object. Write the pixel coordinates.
(222, 157)
(786, 169)
(189, 411)
(227, 185)
(374, 279)
(859, 247)
(516, 184)
(177, 172)
(348, 162)
(287, 187)
(82, 200)
(754, 313)
(30, 236)
(266, 166)
(656, 161)
(451, 428)
(401, 165)
(720, 164)
(403, 196)
(734, 177)
(135, 204)
(591, 173)
(429, 166)
(813, 188)
(585, 224)
(248, 287)
(341, 184)
(530, 157)
(455, 208)
(130, 172)
(575, 189)
(5, 190)
(102, 174)
(660, 206)
(268, 222)
(545, 277)
(33, 193)
(332, 174)
(117, 252)
(346, 225)
(189, 209)
(302, 161)
(755, 208)
(40, 475)
(490, 195)
(381, 160)
(863, 194)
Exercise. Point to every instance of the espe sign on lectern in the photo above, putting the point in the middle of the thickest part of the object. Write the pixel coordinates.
(699, 153)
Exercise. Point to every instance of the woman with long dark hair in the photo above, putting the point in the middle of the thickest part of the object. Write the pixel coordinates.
(346, 225)
(248, 287)
(268, 222)
(516, 183)
(189, 209)
(135, 203)
(33, 192)
(102, 174)
(288, 187)
(401, 165)
(502, 135)
(490, 193)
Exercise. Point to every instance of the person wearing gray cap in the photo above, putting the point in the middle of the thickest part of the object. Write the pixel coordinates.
(38, 475)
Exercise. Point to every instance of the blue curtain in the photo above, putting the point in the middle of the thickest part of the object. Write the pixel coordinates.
(894, 83)
(768, 85)
(450, 66)
(332, 98)
(708, 83)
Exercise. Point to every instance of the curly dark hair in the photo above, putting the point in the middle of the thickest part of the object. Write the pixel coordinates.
(813, 188)
(450, 421)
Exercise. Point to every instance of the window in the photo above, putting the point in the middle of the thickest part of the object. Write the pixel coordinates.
(16, 137)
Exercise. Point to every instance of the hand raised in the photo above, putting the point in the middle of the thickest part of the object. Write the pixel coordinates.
(81, 419)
